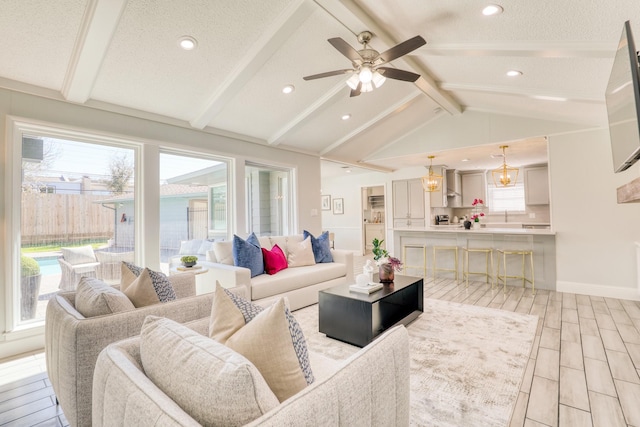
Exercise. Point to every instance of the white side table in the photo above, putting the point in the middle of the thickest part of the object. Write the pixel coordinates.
(202, 284)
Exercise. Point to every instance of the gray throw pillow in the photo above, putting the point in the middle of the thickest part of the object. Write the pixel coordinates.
(96, 298)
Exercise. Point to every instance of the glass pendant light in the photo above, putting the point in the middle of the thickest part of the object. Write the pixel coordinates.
(505, 175)
(431, 182)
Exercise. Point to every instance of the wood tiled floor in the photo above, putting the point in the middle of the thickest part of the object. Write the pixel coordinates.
(584, 369)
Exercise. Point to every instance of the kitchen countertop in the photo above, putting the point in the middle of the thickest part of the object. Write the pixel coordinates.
(459, 229)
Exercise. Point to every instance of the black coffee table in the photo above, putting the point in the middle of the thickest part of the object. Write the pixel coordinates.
(358, 319)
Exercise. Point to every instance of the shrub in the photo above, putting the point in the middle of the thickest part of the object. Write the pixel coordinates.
(28, 266)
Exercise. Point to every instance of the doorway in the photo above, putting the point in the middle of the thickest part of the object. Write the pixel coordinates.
(373, 216)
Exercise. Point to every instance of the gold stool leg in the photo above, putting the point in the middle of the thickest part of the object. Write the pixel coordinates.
(533, 281)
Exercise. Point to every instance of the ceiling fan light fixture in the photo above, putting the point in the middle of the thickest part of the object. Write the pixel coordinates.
(365, 75)
(432, 181)
(366, 87)
(378, 79)
(505, 175)
(353, 81)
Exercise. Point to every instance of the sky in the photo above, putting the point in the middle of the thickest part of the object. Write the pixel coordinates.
(74, 159)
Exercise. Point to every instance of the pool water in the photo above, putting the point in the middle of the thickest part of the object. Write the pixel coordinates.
(49, 266)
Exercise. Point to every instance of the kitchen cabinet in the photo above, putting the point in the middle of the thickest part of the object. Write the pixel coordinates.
(438, 199)
(408, 203)
(474, 186)
(373, 231)
(536, 185)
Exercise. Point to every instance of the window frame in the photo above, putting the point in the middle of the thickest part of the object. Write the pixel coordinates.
(17, 128)
(491, 188)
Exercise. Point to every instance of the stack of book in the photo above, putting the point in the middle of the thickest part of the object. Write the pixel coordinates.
(366, 289)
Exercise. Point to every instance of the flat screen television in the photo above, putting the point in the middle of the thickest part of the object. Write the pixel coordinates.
(623, 103)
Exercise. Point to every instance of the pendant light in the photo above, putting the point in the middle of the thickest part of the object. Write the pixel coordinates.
(431, 182)
(505, 175)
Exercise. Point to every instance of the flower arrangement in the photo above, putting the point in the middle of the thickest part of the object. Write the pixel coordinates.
(381, 256)
(477, 203)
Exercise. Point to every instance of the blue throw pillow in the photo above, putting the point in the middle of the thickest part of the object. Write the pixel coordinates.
(321, 247)
(247, 253)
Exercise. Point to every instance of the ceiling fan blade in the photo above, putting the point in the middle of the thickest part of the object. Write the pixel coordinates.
(356, 91)
(402, 49)
(394, 73)
(328, 74)
(345, 49)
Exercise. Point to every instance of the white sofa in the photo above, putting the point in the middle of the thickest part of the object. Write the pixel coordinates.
(299, 284)
(369, 388)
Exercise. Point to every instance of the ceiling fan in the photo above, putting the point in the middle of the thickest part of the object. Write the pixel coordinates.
(368, 72)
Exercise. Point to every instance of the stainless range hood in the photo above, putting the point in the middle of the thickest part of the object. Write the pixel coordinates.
(454, 188)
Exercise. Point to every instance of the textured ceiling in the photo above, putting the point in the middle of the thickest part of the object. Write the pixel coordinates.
(124, 53)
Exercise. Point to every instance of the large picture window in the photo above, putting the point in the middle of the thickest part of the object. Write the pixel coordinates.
(76, 216)
(193, 205)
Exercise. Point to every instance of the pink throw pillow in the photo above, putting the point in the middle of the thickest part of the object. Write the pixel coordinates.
(274, 259)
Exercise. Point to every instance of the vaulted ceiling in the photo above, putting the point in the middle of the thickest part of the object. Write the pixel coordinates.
(124, 56)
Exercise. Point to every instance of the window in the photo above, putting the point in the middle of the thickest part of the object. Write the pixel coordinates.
(193, 205)
(500, 199)
(75, 215)
(268, 200)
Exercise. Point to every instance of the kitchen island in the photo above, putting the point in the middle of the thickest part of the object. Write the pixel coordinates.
(541, 240)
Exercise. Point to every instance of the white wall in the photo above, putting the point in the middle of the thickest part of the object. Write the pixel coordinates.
(155, 133)
(595, 235)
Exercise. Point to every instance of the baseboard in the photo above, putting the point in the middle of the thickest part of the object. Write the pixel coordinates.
(598, 290)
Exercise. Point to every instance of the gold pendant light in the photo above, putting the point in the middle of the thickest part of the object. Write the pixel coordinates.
(505, 175)
(431, 182)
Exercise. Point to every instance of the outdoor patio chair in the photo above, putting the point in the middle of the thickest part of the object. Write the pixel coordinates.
(75, 263)
(110, 269)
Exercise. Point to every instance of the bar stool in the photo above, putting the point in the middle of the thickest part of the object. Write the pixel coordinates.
(439, 248)
(423, 266)
(521, 246)
(478, 244)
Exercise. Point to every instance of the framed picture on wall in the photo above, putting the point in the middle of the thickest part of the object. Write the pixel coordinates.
(338, 206)
(326, 202)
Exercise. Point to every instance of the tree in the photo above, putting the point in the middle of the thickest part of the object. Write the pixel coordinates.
(121, 171)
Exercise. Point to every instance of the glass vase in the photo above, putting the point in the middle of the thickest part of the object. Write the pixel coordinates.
(386, 273)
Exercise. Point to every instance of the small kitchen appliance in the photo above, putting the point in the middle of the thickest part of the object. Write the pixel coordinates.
(442, 219)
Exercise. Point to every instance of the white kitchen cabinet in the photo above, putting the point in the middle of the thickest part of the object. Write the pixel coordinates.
(373, 231)
(438, 198)
(408, 203)
(536, 185)
(474, 186)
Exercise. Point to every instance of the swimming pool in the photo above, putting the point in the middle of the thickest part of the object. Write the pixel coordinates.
(49, 266)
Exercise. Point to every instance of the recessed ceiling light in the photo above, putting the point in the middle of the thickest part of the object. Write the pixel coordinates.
(288, 89)
(187, 42)
(514, 73)
(465, 160)
(492, 9)
(346, 117)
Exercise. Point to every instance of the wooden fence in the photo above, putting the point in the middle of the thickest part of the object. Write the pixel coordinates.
(64, 218)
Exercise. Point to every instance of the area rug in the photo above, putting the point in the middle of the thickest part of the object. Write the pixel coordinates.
(467, 362)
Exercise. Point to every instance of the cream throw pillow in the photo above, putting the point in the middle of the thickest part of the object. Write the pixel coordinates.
(301, 254)
(96, 298)
(223, 252)
(211, 382)
(150, 288)
(229, 313)
(274, 343)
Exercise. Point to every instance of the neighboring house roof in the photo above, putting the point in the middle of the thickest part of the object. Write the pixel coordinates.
(166, 190)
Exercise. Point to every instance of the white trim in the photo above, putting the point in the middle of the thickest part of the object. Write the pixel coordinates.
(598, 290)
